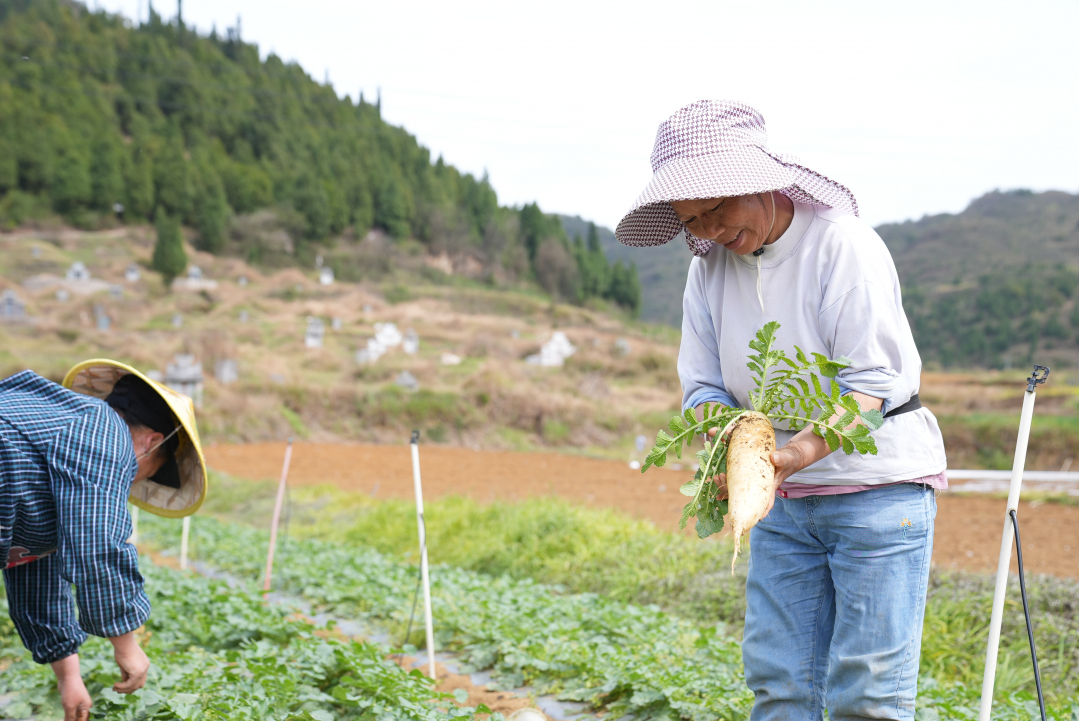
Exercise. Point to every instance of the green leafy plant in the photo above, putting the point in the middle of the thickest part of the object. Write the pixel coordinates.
(787, 390)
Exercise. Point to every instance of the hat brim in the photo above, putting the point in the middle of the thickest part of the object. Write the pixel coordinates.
(187, 470)
(745, 171)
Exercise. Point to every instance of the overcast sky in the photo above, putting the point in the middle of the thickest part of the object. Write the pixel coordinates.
(918, 107)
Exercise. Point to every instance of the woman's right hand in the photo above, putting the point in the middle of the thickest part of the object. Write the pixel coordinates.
(73, 695)
(721, 486)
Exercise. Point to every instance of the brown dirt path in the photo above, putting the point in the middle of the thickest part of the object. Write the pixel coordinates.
(968, 530)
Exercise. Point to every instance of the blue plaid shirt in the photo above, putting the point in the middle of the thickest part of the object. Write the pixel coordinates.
(66, 468)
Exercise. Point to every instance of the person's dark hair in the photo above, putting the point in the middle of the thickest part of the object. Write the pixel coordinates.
(135, 424)
(141, 406)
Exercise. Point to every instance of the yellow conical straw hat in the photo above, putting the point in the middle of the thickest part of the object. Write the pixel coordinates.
(96, 377)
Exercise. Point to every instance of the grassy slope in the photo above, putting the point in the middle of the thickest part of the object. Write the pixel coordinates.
(599, 401)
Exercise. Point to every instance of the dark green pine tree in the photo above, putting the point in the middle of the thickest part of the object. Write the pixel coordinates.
(71, 185)
(312, 202)
(532, 228)
(138, 184)
(625, 287)
(598, 269)
(210, 209)
(170, 258)
(172, 181)
(107, 180)
(580, 255)
(9, 162)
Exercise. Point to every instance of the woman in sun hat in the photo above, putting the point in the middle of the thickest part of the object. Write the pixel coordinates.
(839, 567)
(71, 457)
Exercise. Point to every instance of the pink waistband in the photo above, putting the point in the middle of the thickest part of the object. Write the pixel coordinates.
(801, 490)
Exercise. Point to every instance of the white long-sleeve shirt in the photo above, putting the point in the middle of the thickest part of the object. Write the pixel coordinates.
(830, 282)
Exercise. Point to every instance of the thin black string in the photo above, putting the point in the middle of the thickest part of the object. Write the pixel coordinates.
(419, 581)
(1026, 613)
(416, 593)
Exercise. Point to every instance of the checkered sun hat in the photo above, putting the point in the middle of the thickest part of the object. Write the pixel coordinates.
(717, 149)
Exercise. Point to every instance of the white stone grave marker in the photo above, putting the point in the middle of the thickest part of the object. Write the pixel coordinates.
(184, 375)
(78, 272)
(11, 308)
(554, 352)
(386, 336)
(101, 316)
(316, 329)
(407, 381)
(226, 371)
(411, 343)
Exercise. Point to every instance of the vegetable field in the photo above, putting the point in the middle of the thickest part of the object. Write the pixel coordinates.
(219, 652)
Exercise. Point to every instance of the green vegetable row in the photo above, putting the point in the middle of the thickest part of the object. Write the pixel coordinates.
(221, 653)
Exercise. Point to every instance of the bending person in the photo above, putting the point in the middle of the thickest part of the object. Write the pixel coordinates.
(69, 460)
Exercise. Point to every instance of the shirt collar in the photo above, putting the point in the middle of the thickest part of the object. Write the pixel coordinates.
(786, 244)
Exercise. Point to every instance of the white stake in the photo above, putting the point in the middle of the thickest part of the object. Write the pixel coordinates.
(183, 542)
(424, 575)
(134, 540)
(277, 514)
(1006, 543)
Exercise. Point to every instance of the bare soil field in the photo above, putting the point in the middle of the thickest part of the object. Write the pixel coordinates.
(968, 529)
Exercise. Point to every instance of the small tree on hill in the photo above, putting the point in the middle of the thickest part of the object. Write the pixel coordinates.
(211, 210)
(169, 259)
(625, 287)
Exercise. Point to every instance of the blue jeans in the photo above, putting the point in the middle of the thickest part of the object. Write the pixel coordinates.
(834, 605)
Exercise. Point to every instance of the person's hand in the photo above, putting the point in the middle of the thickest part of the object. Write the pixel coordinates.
(73, 695)
(132, 662)
(787, 460)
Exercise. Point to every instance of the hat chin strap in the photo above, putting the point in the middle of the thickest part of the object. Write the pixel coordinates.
(166, 438)
(760, 251)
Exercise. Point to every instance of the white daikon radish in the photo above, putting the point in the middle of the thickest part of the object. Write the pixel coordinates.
(750, 474)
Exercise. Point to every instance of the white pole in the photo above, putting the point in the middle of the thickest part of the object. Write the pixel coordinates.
(277, 514)
(183, 543)
(134, 540)
(424, 574)
(1006, 553)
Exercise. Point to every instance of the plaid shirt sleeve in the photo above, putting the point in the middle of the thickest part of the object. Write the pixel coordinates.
(86, 458)
(43, 610)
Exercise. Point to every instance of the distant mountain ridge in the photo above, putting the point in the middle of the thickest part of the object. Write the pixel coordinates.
(992, 286)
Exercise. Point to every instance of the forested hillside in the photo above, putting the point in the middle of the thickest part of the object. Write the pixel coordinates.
(103, 122)
(996, 285)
